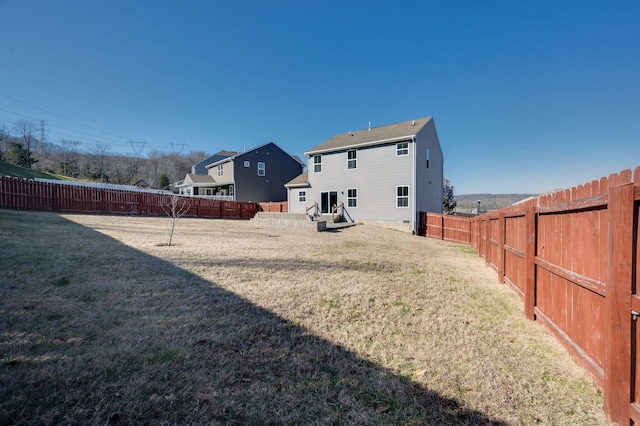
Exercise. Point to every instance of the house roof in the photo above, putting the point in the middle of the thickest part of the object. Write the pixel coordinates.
(300, 180)
(216, 157)
(375, 136)
(239, 154)
(200, 178)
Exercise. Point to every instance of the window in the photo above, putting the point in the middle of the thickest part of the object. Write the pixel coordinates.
(352, 197)
(402, 148)
(428, 157)
(317, 164)
(247, 163)
(220, 172)
(261, 169)
(352, 161)
(402, 196)
(302, 196)
(208, 191)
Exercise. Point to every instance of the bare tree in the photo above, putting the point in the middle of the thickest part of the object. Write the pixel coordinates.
(26, 130)
(3, 137)
(70, 158)
(100, 152)
(175, 207)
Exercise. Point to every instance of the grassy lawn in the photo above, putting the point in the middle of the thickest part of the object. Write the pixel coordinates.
(7, 169)
(101, 323)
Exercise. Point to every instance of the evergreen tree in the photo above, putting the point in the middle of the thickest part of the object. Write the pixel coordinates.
(16, 154)
(448, 203)
(164, 181)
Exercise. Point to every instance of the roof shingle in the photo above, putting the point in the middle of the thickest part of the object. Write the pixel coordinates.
(374, 136)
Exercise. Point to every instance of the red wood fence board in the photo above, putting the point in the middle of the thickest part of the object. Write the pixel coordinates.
(26, 194)
(573, 256)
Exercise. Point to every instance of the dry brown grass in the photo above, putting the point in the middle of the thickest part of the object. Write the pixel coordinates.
(235, 324)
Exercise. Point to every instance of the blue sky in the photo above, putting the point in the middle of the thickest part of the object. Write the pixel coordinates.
(526, 96)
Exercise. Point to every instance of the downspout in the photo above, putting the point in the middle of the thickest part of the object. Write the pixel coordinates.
(413, 172)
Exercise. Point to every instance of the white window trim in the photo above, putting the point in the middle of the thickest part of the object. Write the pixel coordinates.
(319, 164)
(220, 170)
(302, 196)
(398, 154)
(398, 197)
(352, 198)
(262, 169)
(428, 158)
(247, 163)
(354, 159)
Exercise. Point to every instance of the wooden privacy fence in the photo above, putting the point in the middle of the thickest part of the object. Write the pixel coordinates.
(31, 195)
(573, 258)
(277, 207)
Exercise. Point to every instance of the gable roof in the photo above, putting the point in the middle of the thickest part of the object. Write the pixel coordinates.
(300, 180)
(212, 159)
(200, 178)
(240, 154)
(375, 136)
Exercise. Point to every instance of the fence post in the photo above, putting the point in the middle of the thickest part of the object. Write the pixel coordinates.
(617, 368)
(442, 226)
(487, 245)
(501, 235)
(530, 263)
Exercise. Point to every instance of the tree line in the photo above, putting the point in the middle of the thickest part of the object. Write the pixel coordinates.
(20, 145)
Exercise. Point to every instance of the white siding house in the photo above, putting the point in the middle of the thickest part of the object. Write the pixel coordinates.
(383, 175)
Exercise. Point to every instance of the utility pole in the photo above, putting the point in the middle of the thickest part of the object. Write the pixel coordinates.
(42, 130)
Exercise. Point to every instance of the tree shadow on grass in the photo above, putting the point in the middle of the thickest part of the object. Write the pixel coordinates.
(108, 334)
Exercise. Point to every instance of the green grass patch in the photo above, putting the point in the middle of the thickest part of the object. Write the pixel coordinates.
(7, 169)
(163, 355)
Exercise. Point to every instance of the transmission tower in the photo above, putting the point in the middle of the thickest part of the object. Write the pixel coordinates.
(42, 130)
(137, 147)
(177, 148)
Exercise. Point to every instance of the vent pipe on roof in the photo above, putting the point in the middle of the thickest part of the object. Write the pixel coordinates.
(413, 122)
(369, 126)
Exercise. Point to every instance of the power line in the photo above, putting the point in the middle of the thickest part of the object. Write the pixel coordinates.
(60, 116)
(137, 147)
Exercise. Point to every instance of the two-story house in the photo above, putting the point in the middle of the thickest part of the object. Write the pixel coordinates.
(258, 174)
(382, 175)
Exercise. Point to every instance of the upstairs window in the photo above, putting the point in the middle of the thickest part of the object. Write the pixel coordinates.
(402, 148)
(247, 163)
(352, 197)
(402, 196)
(428, 157)
(352, 161)
(317, 164)
(220, 171)
(261, 169)
(302, 196)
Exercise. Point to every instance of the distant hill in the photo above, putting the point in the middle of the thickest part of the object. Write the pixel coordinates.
(468, 203)
(7, 169)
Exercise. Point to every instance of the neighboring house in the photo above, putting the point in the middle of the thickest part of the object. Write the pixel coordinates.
(383, 175)
(200, 185)
(256, 175)
(200, 168)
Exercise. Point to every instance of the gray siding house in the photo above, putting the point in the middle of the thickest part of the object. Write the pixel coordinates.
(256, 175)
(200, 168)
(383, 175)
